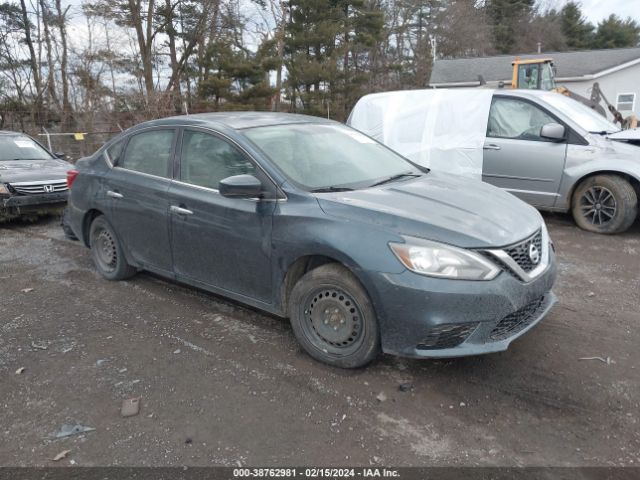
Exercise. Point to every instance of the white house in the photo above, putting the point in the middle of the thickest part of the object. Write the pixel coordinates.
(616, 70)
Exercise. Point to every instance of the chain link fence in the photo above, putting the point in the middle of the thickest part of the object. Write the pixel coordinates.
(88, 130)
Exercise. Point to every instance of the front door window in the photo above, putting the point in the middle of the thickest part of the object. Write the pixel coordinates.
(206, 159)
(516, 119)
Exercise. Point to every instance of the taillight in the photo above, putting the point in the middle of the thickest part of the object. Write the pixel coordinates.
(71, 176)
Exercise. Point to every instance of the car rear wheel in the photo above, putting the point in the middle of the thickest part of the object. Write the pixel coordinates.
(106, 251)
(333, 319)
(605, 204)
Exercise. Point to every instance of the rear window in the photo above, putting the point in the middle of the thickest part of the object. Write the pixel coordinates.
(21, 147)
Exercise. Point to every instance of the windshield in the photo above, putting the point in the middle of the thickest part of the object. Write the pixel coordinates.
(317, 156)
(547, 81)
(20, 147)
(584, 116)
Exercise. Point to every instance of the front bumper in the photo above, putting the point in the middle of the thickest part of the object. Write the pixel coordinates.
(30, 200)
(411, 307)
(17, 205)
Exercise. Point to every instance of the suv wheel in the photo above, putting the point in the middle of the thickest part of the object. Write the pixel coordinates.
(605, 204)
(106, 251)
(332, 317)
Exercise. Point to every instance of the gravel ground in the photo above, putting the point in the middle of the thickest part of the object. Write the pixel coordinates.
(222, 384)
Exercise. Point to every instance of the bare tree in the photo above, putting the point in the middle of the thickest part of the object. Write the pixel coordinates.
(51, 83)
(33, 59)
(62, 28)
(464, 30)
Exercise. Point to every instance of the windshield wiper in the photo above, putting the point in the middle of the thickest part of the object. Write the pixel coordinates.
(331, 188)
(395, 177)
(605, 132)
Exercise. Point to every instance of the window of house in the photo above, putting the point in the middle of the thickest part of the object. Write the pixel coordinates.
(626, 102)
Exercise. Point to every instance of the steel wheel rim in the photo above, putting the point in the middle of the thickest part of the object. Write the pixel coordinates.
(333, 321)
(598, 205)
(106, 251)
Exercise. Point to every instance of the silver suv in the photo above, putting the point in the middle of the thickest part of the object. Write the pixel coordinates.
(546, 149)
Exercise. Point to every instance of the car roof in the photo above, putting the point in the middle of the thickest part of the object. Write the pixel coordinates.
(236, 120)
(522, 92)
(7, 132)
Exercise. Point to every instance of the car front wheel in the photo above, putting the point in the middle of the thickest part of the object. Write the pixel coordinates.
(333, 319)
(605, 204)
(106, 251)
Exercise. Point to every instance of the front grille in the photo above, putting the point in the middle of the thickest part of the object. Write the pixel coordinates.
(447, 336)
(516, 321)
(36, 188)
(520, 252)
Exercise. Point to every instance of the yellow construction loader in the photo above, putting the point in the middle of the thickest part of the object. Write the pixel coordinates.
(539, 74)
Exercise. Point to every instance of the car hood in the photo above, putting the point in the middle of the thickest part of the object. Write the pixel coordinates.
(441, 207)
(632, 134)
(33, 170)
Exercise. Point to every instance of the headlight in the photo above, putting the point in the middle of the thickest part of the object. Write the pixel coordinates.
(444, 261)
(4, 190)
(546, 237)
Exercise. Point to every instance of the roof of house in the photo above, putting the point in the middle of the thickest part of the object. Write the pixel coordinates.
(568, 64)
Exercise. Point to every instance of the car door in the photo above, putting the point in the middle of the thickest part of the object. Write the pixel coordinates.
(218, 241)
(136, 188)
(516, 157)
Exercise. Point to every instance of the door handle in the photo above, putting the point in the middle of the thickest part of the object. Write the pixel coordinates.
(113, 194)
(179, 210)
(491, 146)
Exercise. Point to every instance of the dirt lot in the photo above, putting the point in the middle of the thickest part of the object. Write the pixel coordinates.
(222, 384)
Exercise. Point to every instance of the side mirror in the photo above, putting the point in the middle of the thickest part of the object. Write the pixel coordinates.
(553, 131)
(240, 186)
(60, 155)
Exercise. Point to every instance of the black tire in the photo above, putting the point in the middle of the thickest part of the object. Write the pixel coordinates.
(333, 319)
(605, 204)
(106, 251)
(66, 228)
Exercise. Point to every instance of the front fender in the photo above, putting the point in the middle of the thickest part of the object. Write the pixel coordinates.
(303, 229)
(574, 174)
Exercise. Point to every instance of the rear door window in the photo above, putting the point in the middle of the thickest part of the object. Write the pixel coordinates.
(516, 119)
(206, 159)
(114, 152)
(149, 152)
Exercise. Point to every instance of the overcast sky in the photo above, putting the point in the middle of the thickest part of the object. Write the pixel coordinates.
(596, 10)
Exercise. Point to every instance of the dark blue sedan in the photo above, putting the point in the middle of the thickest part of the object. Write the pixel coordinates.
(309, 219)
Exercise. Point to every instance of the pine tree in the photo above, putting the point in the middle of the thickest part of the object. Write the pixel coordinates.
(617, 33)
(577, 30)
(327, 46)
(506, 15)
